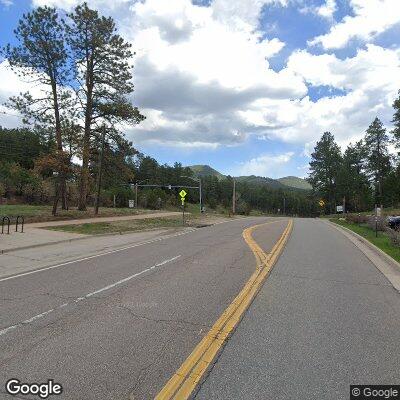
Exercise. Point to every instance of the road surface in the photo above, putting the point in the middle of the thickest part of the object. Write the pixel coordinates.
(118, 326)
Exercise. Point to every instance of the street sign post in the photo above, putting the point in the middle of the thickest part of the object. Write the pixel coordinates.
(183, 194)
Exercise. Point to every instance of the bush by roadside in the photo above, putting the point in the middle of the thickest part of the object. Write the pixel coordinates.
(394, 236)
(383, 241)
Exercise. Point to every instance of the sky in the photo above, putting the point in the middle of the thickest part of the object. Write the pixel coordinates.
(245, 86)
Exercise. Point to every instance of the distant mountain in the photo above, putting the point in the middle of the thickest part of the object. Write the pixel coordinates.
(259, 180)
(292, 182)
(205, 170)
(295, 182)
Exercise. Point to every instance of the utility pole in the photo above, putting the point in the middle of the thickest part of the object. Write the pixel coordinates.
(344, 204)
(234, 198)
(103, 136)
(284, 206)
(136, 187)
(200, 194)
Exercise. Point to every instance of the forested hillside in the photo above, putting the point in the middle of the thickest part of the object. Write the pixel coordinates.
(26, 175)
(288, 181)
(365, 174)
(295, 182)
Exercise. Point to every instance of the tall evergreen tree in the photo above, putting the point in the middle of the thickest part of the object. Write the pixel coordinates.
(378, 159)
(396, 123)
(103, 78)
(324, 169)
(353, 180)
(41, 58)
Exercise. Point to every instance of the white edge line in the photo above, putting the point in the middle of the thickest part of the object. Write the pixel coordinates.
(107, 252)
(78, 299)
(94, 256)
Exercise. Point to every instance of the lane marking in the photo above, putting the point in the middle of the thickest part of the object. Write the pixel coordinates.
(108, 252)
(88, 295)
(94, 256)
(187, 377)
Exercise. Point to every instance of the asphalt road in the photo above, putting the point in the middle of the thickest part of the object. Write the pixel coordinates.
(324, 319)
(118, 326)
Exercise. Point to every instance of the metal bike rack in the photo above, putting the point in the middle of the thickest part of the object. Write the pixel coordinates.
(17, 221)
(8, 224)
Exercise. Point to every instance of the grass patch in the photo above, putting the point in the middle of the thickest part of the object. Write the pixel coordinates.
(43, 213)
(98, 228)
(382, 241)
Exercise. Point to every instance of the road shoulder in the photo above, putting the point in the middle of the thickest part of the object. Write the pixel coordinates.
(389, 267)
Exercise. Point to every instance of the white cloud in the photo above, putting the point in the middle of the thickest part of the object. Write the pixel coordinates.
(202, 77)
(11, 85)
(271, 165)
(372, 68)
(242, 15)
(6, 3)
(327, 9)
(199, 69)
(371, 17)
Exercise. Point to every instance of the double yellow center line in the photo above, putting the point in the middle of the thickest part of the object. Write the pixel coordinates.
(187, 377)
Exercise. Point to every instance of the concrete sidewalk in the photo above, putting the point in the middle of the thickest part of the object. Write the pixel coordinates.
(35, 237)
(103, 219)
(36, 257)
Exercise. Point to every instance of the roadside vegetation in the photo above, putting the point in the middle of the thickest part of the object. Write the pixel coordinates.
(121, 227)
(384, 241)
(364, 175)
(42, 213)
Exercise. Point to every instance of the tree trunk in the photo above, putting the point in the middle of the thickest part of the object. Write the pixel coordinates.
(56, 197)
(84, 181)
(83, 184)
(61, 185)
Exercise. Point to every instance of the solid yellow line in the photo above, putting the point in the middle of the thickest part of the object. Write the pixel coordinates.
(187, 377)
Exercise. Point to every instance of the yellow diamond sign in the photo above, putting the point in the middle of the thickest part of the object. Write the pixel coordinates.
(321, 203)
(182, 193)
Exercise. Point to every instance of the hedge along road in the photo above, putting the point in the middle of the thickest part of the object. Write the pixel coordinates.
(120, 325)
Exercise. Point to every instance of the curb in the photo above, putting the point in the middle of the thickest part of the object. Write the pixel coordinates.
(102, 235)
(378, 257)
(32, 246)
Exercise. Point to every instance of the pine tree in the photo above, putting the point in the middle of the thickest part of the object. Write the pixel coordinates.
(324, 169)
(396, 123)
(353, 181)
(378, 159)
(41, 58)
(103, 79)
